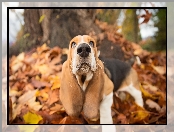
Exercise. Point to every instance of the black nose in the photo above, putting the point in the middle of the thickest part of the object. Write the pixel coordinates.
(83, 50)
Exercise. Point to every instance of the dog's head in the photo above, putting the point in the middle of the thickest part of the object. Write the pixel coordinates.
(82, 54)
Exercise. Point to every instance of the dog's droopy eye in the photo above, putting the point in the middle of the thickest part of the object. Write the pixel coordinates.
(73, 45)
(91, 43)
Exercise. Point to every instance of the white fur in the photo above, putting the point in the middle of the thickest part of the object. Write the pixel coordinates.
(135, 93)
(105, 109)
(76, 62)
(88, 78)
(76, 58)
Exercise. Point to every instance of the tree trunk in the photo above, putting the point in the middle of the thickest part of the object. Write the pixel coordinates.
(56, 27)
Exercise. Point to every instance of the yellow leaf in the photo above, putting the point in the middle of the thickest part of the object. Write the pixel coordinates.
(142, 66)
(37, 78)
(56, 82)
(26, 35)
(41, 18)
(42, 94)
(139, 115)
(32, 118)
(55, 85)
(27, 128)
(147, 94)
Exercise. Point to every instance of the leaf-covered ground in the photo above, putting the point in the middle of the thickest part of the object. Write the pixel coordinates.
(34, 83)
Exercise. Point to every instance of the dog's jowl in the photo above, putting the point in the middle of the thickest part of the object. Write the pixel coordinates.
(86, 85)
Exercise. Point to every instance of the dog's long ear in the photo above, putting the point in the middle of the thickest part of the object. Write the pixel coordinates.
(94, 93)
(71, 95)
(99, 85)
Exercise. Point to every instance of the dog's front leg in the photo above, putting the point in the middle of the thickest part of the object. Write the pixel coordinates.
(105, 109)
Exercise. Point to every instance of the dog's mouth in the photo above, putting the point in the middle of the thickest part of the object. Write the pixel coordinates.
(83, 68)
(83, 65)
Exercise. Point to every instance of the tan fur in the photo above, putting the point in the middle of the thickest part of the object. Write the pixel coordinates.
(73, 97)
(132, 77)
(99, 85)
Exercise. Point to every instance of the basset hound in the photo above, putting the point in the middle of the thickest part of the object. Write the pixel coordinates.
(87, 82)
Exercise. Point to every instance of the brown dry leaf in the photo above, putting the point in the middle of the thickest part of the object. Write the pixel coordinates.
(39, 84)
(14, 92)
(33, 104)
(146, 16)
(16, 67)
(138, 51)
(147, 85)
(43, 48)
(56, 60)
(153, 104)
(160, 69)
(17, 110)
(55, 108)
(26, 96)
(50, 119)
(28, 86)
(17, 63)
(53, 97)
(10, 110)
(121, 119)
(70, 120)
(43, 69)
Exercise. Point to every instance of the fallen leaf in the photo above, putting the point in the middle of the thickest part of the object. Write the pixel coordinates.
(121, 119)
(43, 93)
(53, 97)
(147, 94)
(10, 110)
(56, 82)
(17, 110)
(160, 69)
(55, 108)
(39, 84)
(16, 67)
(33, 104)
(32, 118)
(70, 120)
(13, 92)
(153, 104)
(147, 85)
(26, 96)
(138, 116)
(43, 48)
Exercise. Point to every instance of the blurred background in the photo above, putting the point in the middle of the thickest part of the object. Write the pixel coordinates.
(29, 28)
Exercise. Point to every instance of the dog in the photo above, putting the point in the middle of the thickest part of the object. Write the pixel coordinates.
(88, 82)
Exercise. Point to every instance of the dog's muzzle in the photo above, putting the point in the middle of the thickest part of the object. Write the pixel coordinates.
(83, 50)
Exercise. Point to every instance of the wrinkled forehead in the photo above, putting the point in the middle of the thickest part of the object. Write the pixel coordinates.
(82, 39)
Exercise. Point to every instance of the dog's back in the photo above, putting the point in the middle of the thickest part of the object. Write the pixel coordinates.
(118, 70)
